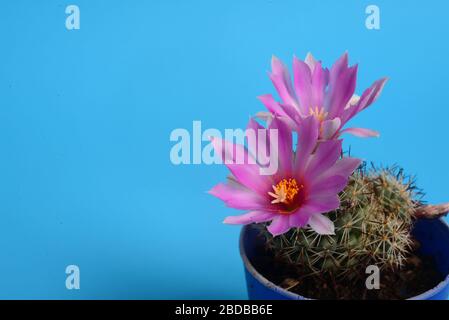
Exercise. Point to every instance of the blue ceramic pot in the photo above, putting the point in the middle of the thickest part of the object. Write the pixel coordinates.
(432, 234)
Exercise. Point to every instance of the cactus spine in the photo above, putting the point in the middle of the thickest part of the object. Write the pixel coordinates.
(372, 226)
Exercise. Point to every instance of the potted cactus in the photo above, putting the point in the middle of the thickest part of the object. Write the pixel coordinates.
(323, 225)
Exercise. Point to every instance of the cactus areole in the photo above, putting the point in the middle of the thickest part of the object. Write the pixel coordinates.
(327, 226)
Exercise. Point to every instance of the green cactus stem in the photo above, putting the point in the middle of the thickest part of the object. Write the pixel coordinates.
(372, 226)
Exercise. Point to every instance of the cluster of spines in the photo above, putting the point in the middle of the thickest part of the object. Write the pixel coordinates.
(372, 226)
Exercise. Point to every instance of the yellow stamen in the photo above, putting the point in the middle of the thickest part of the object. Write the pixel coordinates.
(318, 113)
(285, 191)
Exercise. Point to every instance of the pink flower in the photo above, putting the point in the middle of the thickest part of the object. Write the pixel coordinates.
(328, 95)
(306, 184)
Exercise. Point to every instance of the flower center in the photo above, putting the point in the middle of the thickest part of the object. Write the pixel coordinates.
(285, 191)
(318, 113)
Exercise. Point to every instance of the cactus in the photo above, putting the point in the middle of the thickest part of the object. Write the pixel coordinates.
(372, 226)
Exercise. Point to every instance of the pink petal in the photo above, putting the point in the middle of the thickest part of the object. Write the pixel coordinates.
(264, 116)
(268, 118)
(324, 157)
(250, 217)
(322, 224)
(372, 94)
(254, 126)
(303, 84)
(291, 124)
(278, 68)
(279, 225)
(368, 97)
(353, 101)
(231, 152)
(361, 132)
(329, 128)
(293, 114)
(300, 218)
(281, 81)
(343, 167)
(329, 185)
(341, 91)
(246, 173)
(338, 68)
(318, 84)
(250, 177)
(238, 198)
(306, 142)
(310, 61)
(285, 147)
(272, 105)
(322, 203)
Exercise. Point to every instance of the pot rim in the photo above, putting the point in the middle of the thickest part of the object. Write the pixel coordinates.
(294, 296)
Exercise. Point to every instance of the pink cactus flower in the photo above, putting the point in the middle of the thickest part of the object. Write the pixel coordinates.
(305, 186)
(328, 95)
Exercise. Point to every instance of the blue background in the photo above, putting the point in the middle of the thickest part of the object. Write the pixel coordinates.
(86, 115)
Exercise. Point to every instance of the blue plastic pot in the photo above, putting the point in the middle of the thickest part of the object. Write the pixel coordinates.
(432, 234)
